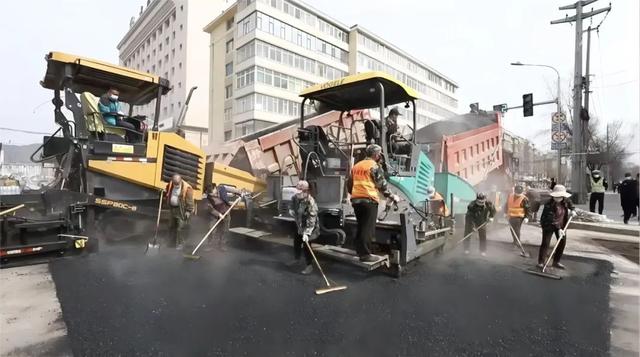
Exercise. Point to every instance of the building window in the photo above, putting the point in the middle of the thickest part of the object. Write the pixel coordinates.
(227, 135)
(173, 35)
(227, 114)
(228, 91)
(180, 65)
(245, 77)
(229, 46)
(166, 40)
(228, 69)
(230, 23)
(179, 84)
(173, 70)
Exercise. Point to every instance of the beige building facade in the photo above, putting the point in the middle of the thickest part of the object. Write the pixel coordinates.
(167, 39)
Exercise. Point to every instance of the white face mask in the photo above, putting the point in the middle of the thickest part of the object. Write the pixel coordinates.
(596, 176)
(557, 199)
(301, 195)
(113, 97)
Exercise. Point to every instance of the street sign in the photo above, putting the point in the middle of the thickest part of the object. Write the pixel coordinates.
(559, 132)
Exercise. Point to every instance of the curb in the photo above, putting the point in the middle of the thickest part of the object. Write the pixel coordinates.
(604, 229)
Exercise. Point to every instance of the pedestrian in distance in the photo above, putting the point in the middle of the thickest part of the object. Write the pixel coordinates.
(480, 212)
(179, 197)
(304, 210)
(597, 187)
(553, 220)
(517, 211)
(367, 178)
(628, 191)
(553, 183)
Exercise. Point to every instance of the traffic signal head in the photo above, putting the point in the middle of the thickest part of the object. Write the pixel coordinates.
(527, 105)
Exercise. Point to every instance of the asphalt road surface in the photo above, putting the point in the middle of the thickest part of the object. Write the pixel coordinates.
(247, 302)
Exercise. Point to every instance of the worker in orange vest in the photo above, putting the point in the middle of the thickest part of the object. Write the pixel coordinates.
(367, 178)
(517, 211)
(437, 204)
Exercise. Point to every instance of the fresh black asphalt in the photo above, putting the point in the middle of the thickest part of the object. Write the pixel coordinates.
(247, 302)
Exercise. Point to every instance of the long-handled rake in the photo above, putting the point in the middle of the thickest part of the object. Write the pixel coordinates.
(523, 253)
(542, 272)
(329, 288)
(153, 247)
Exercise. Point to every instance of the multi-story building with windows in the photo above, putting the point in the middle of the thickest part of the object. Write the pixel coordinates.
(263, 53)
(167, 40)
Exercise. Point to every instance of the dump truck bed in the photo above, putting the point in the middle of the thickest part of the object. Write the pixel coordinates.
(468, 145)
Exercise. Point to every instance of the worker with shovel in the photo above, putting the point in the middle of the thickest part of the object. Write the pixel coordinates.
(480, 212)
(517, 211)
(553, 220)
(305, 211)
(179, 197)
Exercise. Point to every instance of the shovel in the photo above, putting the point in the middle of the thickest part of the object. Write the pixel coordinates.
(153, 247)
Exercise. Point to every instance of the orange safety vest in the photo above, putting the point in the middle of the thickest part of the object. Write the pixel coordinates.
(514, 206)
(363, 185)
(441, 209)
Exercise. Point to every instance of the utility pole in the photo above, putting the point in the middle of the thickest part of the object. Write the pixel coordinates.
(579, 161)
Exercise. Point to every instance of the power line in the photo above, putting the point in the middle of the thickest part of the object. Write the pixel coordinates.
(25, 131)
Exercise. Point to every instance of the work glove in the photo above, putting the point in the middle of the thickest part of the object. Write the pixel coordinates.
(572, 213)
(561, 234)
(395, 198)
(490, 219)
(187, 215)
(292, 213)
(525, 221)
(305, 237)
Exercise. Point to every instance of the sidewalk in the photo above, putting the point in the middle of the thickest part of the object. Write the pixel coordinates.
(612, 208)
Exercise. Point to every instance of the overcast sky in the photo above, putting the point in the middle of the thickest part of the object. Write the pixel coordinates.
(472, 42)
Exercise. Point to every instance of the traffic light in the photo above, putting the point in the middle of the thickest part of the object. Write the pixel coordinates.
(527, 105)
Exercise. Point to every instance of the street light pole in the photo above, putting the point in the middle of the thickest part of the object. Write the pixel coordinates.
(558, 104)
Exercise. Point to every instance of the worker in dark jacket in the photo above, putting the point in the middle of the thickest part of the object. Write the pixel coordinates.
(553, 220)
(179, 197)
(479, 213)
(218, 205)
(517, 211)
(367, 178)
(597, 187)
(628, 191)
(304, 210)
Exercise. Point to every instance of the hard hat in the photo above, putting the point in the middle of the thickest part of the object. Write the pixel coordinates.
(302, 185)
(481, 196)
(373, 149)
(394, 111)
(518, 189)
(431, 191)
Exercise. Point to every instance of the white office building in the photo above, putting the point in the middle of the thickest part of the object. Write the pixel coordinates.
(263, 53)
(167, 39)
